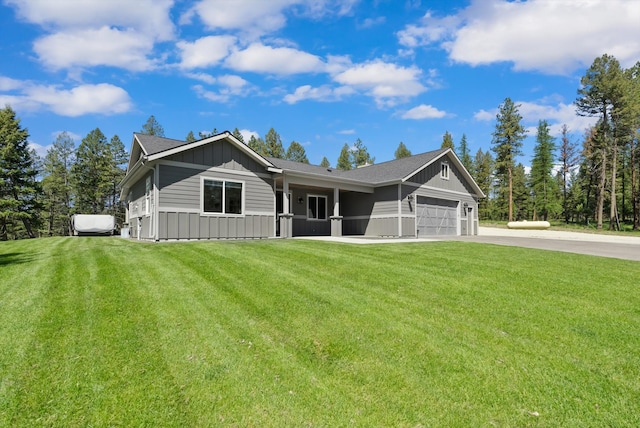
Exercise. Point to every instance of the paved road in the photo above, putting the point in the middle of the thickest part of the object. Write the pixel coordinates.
(619, 247)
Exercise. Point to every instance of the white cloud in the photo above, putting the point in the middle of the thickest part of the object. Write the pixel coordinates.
(147, 16)
(548, 36)
(102, 98)
(556, 114)
(321, 93)
(247, 134)
(257, 17)
(205, 52)
(230, 86)
(117, 33)
(387, 83)
(347, 132)
(423, 111)
(94, 47)
(279, 60)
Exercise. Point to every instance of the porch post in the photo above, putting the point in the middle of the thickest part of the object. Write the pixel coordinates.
(286, 218)
(336, 218)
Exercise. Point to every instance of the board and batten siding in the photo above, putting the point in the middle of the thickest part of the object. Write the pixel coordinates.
(430, 176)
(220, 154)
(374, 214)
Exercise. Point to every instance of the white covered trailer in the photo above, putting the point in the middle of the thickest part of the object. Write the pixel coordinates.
(93, 224)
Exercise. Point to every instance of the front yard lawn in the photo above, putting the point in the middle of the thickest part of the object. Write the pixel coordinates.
(110, 332)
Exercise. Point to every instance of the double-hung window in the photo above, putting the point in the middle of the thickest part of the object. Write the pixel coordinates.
(316, 207)
(444, 171)
(222, 196)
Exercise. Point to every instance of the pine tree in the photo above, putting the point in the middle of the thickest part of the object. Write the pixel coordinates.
(274, 144)
(56, 184)
(360, 155)
(258, 146)
(236, 133)
(599, 96)
(483, 175)
(19, 189)
(325, 163)
(92, 173)
(117, 171)
(464, 154)
(190, 138)
(507, 145)
(296, 153)
(402, 151)
(344, 160)
(447, 141)
(152, 127)
(543, 184)
(568, 158)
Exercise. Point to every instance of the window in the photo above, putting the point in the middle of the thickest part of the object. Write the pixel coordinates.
(444, 171)
(316, 207)
(221, 196)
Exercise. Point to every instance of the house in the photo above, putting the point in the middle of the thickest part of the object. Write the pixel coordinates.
(218, 188)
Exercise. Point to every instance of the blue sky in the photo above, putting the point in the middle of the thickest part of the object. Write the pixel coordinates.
(320, 72)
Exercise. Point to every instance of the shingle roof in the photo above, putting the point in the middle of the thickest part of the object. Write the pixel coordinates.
(152, 144)
(377, 173)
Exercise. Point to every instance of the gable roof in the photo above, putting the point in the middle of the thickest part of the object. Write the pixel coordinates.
(151, 147)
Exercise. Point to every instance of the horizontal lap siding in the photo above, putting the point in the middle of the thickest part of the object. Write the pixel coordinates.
(386, 201)
(179, 189)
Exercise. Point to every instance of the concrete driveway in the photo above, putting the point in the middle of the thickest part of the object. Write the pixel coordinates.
(619, 247)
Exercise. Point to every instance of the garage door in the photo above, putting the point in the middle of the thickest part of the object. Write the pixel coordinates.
(436, 216)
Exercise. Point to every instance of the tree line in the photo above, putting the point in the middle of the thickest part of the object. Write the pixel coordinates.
(573, 181)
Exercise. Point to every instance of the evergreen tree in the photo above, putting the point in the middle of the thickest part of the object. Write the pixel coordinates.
(274, 144)
(402, 151)
(236, 133)
(152, 127)
(57, 187)
(117, 171)
(447, 142)
(521, 199)
(190, 137)
(258, 146)
(296, 153)
(344, 160)
(600, 94)
(568, 158)
(359, 155)
(483, 175)
(464, 154)
(325, 163)
(543, 184)
(507, 145)
(92, 173)
(19, 189)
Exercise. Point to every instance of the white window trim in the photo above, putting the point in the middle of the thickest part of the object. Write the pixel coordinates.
(326, 202)
(443, 175)
(224, 197)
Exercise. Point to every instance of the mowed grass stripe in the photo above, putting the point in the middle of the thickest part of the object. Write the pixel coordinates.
(288, 333)
(94, 359)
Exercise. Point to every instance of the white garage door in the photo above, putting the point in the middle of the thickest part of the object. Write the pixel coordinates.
(436, 216)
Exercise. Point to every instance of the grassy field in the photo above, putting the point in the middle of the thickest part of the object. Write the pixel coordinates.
(108, 332)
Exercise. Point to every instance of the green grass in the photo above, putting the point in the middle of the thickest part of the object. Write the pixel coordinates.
(108, 332)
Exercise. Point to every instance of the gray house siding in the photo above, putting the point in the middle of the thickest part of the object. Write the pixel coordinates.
(179, 195)
(139, 213)
(373, 214)
(302, 226)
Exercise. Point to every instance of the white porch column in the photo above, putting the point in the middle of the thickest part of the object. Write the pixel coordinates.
(286, 218)
(399, 210)
(336, 218)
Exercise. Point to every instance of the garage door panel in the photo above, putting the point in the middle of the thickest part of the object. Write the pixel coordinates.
(436, 216)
